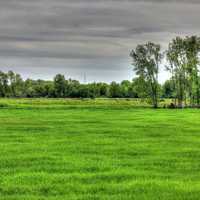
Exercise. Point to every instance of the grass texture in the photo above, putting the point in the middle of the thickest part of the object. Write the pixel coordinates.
(88, 152)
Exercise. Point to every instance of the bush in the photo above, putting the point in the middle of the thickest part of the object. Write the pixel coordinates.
(171, 106)
(3, 105)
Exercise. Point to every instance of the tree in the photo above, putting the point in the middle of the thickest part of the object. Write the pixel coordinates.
(59, 85)
(104, 89)
(73, 88)
(19, 86)
(115, 91)
(49, 88)
(177, 60)
(29, 90)
(168, 89)
(11, 79)
(192, 48)
(125, 88)
(141, 87)
(183, 58)
(146, 60)
(4, 89)
(16, 84)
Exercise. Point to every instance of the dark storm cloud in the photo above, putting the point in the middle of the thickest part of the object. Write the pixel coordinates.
(94, 36)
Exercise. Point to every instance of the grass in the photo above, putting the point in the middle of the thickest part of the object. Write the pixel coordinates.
(74, 103)
(60, 149)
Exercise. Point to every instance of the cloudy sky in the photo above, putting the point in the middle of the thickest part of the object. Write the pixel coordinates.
(94, 37)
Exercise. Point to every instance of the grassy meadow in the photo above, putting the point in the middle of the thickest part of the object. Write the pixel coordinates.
(97, 150)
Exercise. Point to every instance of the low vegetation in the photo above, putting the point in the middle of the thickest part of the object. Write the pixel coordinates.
(70, 103)
(97, 149)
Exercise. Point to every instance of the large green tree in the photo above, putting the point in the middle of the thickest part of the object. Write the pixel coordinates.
(146, 61)
(183, 59)
(192, 49)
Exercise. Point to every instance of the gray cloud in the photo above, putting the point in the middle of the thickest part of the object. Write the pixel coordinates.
(87, 36)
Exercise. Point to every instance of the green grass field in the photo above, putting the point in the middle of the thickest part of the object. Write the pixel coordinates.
(74, 150)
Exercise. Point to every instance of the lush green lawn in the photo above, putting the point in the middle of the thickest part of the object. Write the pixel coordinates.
(88, 152)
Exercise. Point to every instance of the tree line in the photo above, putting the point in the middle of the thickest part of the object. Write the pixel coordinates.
(181, 59)
(12, 85)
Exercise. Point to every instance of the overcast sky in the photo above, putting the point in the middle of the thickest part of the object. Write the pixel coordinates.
(94, 37)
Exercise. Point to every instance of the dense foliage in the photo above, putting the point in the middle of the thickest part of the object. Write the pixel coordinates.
(12, 85)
